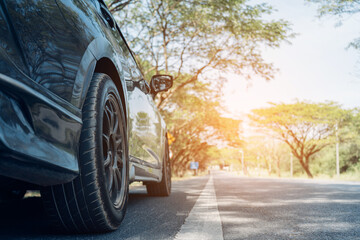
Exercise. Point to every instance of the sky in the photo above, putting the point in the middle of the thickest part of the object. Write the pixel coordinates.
(316, 66)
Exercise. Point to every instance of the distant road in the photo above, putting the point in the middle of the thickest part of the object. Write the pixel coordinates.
(220, 206)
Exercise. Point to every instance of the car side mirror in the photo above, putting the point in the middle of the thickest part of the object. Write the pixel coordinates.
(160, 83)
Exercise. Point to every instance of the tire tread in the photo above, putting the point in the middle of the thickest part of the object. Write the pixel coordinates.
(77, 206)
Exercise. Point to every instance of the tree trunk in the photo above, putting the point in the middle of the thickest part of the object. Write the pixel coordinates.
(307, 170)
(305, 166)
(245, 169)
(278, 167)
(269, 169)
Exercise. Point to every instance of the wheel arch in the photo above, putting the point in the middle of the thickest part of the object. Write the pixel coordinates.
(106, 66)
(100, 57)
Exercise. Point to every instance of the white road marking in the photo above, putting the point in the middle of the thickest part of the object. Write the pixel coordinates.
(204, 221)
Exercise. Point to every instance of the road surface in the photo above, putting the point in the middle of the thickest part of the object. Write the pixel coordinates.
(219, 206)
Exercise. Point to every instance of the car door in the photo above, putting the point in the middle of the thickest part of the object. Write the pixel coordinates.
(145, 122)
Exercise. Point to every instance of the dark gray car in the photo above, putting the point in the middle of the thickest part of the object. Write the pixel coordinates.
(77, 119)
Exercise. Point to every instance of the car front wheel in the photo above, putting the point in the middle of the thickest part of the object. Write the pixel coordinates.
(96, 200)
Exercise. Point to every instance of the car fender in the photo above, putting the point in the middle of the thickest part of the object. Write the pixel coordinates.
(99, 48)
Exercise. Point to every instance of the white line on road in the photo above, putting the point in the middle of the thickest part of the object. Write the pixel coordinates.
(204, 221)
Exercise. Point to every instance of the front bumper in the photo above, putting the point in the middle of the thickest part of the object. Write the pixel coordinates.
(38, 138)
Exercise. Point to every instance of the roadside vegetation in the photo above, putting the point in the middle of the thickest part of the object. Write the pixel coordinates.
(310, 132)
(199, 44)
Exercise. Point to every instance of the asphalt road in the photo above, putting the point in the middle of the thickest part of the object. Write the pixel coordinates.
(223, 206)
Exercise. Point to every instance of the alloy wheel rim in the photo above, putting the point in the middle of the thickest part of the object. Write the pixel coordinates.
(114, 151)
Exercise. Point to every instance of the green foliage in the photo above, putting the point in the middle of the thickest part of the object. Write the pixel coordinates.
(189, 38)
(325, 161)
(194, 122)
(305, 127)
(197, 41)
(339, 8)
(263, 150)
(268, 153)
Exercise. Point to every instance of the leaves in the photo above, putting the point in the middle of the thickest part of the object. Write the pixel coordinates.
(339, 8)
(196, 125)
(305, 127)
(197, 41)
(196, 36)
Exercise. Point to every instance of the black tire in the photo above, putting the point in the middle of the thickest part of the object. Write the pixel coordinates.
(93, 202)
(162, 188)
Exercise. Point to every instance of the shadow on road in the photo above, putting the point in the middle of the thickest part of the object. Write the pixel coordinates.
(22, 217)
(146, 218)
(27, 218)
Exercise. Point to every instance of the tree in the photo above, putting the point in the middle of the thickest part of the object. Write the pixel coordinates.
(227, 156)
(270, 151)
(305, 127)
(195, 123)
(196, 41)
(339, 8)
(197, 36)
(351, 152)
